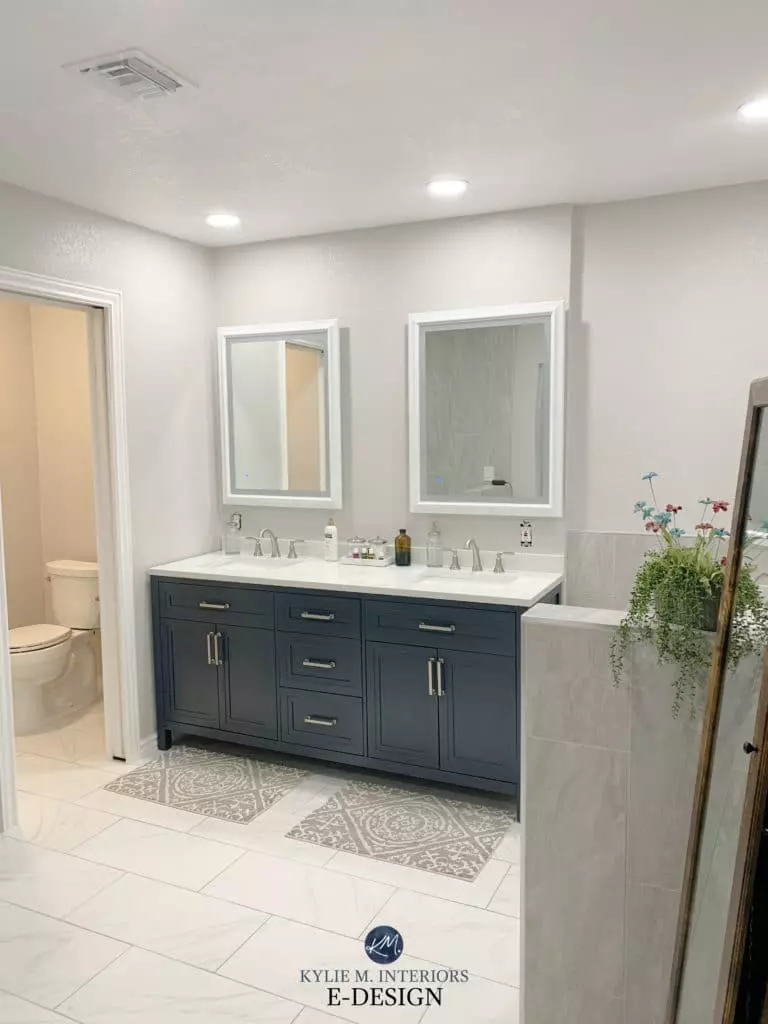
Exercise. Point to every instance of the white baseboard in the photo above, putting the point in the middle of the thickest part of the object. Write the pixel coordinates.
(148, 747)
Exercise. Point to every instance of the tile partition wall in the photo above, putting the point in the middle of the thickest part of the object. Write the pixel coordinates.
(608, 778)
(601, 567)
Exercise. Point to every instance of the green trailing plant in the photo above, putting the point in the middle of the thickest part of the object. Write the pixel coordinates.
(676, 595)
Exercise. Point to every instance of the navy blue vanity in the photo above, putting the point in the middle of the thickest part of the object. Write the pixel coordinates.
(422, 688)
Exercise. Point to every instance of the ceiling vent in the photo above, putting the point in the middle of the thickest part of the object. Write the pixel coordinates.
(131, 74)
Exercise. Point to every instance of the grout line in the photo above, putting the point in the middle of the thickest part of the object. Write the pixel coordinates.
(114, 960)
(575, 743)
(495, 891)
(218, 874)
(259, 926)
(39, 1006)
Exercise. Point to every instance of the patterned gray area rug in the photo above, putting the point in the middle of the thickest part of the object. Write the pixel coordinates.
(234, 787)
(420, 830)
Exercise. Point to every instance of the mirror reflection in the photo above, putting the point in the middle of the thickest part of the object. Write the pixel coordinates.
(486, 404)
(487, 410)
(278, 400)
(280, 415)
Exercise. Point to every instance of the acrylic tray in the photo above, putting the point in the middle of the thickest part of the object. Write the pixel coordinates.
(369, 563)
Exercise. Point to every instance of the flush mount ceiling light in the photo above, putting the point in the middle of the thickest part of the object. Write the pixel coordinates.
(222, 220)
(447, 188)
(755, 110)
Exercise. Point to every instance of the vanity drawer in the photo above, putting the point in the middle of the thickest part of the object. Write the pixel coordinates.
(316, 613)
(325, 720)
(216, 602)
(326, 663)
(447, 626)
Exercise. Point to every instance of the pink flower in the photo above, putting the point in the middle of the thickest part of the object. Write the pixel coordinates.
(651, 525)
(704, 526)
(720, 506)
(674, 509)
(723, 560)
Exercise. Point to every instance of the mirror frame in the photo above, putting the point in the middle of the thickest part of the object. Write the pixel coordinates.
(751, 826)
(553, 508)
(279, 499)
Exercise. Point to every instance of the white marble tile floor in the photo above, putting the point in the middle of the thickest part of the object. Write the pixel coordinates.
(114, 909)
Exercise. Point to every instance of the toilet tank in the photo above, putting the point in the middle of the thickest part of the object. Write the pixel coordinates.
(74, 593)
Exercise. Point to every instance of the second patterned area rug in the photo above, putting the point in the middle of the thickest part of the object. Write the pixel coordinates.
(224, 785)
(445, 835)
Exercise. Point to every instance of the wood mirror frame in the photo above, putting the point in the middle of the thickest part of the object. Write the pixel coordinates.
(757, 777)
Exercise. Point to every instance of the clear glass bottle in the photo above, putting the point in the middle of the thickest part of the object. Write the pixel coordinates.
(434, 547)
(402, 549)
(379, 548)
(355, 546)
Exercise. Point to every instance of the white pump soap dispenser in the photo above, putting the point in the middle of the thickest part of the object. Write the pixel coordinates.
(331, 542)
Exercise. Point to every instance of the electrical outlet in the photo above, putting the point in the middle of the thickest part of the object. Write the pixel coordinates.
(526, 534)
(236, 521)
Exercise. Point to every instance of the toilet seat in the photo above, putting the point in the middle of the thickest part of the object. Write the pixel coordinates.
(37, 638)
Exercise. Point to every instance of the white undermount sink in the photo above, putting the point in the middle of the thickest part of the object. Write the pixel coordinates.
(463, 579)
(251, 563)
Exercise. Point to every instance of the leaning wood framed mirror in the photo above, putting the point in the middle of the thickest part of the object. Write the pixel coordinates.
(732, 781)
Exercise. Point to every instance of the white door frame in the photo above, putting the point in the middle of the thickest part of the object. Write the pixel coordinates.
(113, 520)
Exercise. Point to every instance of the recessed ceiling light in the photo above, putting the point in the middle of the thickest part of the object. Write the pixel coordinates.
(447, 188)
(755, 110)
(222, 220)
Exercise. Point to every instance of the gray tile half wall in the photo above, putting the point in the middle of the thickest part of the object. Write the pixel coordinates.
(601, 567)
(608, 778)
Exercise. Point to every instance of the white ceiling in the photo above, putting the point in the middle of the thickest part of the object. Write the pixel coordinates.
(313, 115)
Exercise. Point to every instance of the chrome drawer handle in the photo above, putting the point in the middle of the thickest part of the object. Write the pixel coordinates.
(217, 659)
(318, 616)
(440, 677)
(311, 663)
(429, 627)
(208, 638)
(213, 606)
(314, 720)
(431, 677)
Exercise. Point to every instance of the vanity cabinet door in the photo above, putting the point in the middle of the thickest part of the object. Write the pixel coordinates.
(249, 681)
(478, 715)
(402, 705)
(191, 675)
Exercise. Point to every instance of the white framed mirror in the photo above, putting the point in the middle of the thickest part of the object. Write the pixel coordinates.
(486, 410)
(280, 414)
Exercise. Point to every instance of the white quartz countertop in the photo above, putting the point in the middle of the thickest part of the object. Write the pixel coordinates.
(522, 588)
(572, 615)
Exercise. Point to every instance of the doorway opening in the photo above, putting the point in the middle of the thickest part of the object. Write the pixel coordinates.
(68, 698)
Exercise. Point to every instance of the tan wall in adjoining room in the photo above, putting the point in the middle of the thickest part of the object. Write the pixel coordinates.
(303, 367)
(19, 489)
(64, 438)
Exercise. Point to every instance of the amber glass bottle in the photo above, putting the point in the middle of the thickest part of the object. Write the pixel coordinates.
(402, 549)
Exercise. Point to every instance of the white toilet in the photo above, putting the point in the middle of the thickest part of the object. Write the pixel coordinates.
(55, 669)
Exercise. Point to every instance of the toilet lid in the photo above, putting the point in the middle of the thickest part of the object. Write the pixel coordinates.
(37, 638)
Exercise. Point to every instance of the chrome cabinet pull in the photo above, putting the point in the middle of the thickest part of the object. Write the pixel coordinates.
(213, 606)
(431, 677)
(316, 720)
(318, 616)
(440, 677)
(218, 660)
(311, 663)
(430, 627)
(208, 638)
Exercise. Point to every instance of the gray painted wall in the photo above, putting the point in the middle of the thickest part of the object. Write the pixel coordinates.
(372, 280)
(169, 359)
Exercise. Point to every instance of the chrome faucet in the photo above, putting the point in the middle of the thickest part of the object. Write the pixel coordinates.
(477, 564)
(275, 543)
(257, 552)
